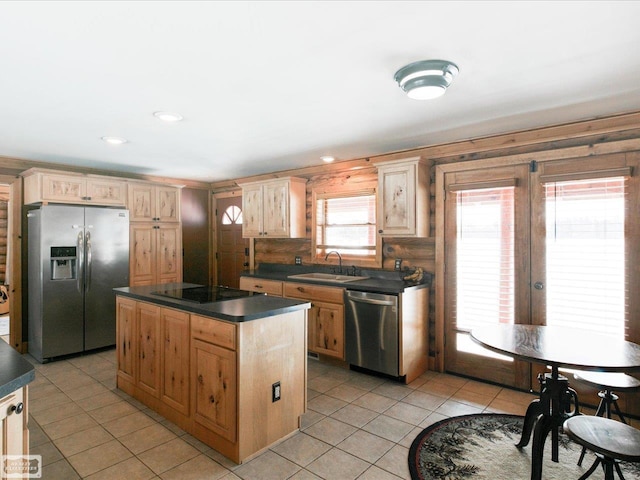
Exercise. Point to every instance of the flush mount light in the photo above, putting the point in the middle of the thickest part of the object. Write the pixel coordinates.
(114, 140)
(426, 79)
(168, 116)
(327, 158)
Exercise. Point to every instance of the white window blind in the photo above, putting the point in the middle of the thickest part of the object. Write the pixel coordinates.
(346, 222)
(585, 267)
(485, 257)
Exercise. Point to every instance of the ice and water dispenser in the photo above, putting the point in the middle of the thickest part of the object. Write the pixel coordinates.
(64, 263)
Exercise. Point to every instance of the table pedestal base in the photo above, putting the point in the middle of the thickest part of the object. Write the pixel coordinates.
(557, 402)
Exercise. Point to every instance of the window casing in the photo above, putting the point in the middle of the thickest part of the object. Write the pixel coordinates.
(345, 221)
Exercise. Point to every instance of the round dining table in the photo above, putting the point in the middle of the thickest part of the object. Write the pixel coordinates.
(556, 347)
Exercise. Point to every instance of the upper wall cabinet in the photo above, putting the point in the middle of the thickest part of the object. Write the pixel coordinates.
(153, 203)
(403, 198)
(42, 186)
(274, 208)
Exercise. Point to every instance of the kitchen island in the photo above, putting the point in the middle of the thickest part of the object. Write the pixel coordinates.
(230, 371)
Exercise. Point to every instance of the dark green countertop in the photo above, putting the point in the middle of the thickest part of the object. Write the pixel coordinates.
(16, 372)
(236, 310)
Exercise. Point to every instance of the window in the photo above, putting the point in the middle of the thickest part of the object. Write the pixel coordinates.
(346, 222)
(232, 216)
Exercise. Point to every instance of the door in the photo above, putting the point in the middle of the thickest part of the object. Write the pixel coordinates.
(106, 267)
(487, 267)
(233, 250)
(584, 244)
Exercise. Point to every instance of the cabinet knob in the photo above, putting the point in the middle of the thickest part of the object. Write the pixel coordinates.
(17, 408)
(379, 231)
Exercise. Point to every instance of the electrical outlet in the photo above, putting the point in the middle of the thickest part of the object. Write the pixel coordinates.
(298, 260)
(275, 392)
(398, 264)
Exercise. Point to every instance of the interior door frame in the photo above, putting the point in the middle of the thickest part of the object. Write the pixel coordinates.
(440, 171)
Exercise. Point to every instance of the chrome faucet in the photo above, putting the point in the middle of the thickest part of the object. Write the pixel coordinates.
(339, 259)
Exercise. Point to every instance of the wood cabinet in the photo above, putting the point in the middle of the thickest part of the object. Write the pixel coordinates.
(14, 434)
(148, 323)
(213, 376)
(261, 285)
(403, 198)
(274, 208)
(153, 353)
(153, 203)
(175, 359)
(125, 338)
(155, 253)
(155, 234)
(325, 318)
(42, 186)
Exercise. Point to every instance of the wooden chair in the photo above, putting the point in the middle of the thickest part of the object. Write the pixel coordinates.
(611, 441)
(607, 382)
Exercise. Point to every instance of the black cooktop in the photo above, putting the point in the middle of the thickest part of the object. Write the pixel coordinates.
(206, 294)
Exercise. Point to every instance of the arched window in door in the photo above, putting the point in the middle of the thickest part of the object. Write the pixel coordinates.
(232, 216)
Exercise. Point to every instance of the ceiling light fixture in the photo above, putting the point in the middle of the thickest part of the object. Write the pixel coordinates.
(114, 140)
(168, 116)
(327, 158)
(426, 79)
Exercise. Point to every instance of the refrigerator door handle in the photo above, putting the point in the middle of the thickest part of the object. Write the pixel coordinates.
(80, 260)
(87, 281)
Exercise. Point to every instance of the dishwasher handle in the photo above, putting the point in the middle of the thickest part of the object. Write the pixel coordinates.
(371, 301)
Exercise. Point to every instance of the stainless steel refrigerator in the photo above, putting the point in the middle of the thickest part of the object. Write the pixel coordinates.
(77, 255)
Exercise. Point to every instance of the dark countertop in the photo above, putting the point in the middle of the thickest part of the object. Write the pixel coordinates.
(16, 372)
(236, 310)
(379, 281)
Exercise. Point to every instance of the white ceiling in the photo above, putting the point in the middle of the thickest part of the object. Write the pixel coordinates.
(268, 86)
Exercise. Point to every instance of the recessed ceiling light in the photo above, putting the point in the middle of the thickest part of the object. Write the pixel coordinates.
(327, 158)
(114, 140)
(168, 116)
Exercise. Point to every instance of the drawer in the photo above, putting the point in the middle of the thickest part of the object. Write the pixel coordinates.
(214, 331)
(270, 287)
(318, 293)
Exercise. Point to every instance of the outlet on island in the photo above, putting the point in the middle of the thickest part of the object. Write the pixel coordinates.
(275, 392)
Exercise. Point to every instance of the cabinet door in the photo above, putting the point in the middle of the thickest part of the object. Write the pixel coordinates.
(214, 390)
(14, 436)
(397, 207)
(148, 318)
(141, 202)
(61, 188)
(169, 253)
(175, 359)
(167, 204)
(326, 329)
(252, 211)
(125, 336)
(275, 214)
(142, 254)
(106, 192)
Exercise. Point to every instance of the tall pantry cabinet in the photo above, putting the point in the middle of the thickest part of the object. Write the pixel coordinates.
(155, 234)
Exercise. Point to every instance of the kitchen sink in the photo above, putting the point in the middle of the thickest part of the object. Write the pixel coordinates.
(326, 277)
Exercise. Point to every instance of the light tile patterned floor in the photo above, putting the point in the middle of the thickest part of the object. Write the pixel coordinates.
(357, 426)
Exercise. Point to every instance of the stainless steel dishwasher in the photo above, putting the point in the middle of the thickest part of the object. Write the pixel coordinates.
(371, 331)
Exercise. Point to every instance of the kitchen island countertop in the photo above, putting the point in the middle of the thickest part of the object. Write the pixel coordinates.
(16, 372)
(236, 310)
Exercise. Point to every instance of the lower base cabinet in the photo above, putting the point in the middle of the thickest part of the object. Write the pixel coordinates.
(215, 379)
(14, 434)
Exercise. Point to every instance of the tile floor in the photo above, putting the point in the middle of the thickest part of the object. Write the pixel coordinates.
(357, 426)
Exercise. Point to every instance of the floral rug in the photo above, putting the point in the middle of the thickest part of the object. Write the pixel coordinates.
(482, 446)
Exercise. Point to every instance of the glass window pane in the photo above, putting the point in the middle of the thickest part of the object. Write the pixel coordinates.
(585, 284)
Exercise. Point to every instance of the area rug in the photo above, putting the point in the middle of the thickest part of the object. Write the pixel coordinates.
(482, 446)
